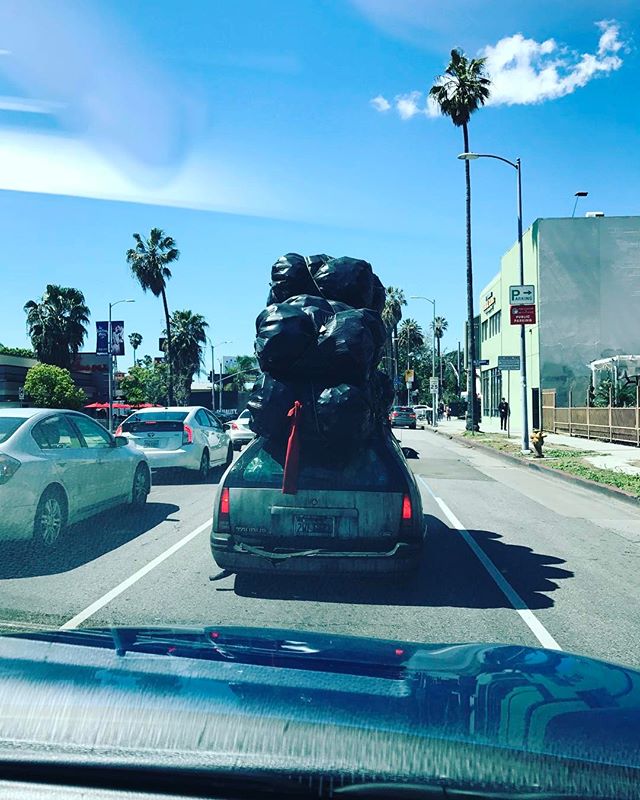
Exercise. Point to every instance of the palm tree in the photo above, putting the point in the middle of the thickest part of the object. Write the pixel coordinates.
(57, 324)
(391, 316)
(135, 340)
(439, 326)
(189, 337)
(149, 261)
(462, 89)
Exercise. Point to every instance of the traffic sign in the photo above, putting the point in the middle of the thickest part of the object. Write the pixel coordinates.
(433, 385)
(20, 392)
(408, 376)
(523, 315)
(508, 363)
(398, 382)
(480, 362)
(524, 295)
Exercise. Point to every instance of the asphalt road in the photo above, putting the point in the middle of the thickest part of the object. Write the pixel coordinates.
(512, 556)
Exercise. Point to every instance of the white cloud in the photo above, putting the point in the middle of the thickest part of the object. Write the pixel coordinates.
(29, 105)
(524, 71)
(380, 103)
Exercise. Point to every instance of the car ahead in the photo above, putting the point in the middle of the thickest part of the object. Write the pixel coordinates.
(239, 431)
(179, 437)
(58, 467)
(402, 417)
(355, 510)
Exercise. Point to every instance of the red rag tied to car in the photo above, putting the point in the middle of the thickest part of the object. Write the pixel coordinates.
(292, 458)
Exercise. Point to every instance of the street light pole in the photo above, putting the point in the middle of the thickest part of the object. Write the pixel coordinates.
(523, 361)
(213, 370)
(110, 349)
(434, 395)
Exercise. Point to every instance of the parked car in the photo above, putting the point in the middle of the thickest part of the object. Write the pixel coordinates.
(354, 511)
(183, 437)
(402, 417)
(239, 431)
(423, 414)
(58, 467)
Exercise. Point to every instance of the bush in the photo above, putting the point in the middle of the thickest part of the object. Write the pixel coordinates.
(52, 387)
(19, 352)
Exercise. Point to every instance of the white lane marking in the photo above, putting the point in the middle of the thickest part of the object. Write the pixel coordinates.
(528, 617)
(122, 587)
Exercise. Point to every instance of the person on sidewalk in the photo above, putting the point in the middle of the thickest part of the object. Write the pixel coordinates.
(504, 411)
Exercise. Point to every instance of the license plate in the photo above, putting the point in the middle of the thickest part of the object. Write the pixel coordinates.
(151, 443)
(309, 525)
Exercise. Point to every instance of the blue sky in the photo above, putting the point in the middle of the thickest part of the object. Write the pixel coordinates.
(253, 128)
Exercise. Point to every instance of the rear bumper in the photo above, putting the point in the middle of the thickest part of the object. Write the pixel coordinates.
(240, 557)
(185, 458)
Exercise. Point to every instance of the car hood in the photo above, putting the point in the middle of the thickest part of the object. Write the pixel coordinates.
(254, 699)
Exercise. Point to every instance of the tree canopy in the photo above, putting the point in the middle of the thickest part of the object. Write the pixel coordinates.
(48, 386)
(57, 324)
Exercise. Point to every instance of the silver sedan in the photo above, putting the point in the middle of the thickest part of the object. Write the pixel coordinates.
(58, 467)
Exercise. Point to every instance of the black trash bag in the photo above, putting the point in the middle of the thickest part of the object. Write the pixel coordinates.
(315, 262)
(349, 280)
(290, 276)
(382, 394)
(316, 307)
(336, 305)
(376, 326)
(378, 295)
(284, 333)
(340, 414)
(269, 403)
(349, 350)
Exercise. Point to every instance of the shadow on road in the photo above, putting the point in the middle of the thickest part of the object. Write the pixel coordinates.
(185, 477)
(450, 576)
(84, 541)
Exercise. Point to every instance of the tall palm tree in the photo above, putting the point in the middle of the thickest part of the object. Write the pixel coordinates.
(462, 89)
(57, 324)
(439, 326)
(149, 261)
(135, 340)
(189, 338)
(391, 316)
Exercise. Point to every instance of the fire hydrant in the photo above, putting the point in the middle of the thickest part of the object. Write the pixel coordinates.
(537, 440)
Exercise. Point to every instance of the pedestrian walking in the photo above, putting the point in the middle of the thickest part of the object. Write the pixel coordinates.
(504, 411)
(448, 412)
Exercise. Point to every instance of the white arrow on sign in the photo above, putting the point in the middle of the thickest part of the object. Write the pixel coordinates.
(524, 295)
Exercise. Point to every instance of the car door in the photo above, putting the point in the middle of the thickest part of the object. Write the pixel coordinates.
(68, 461)
(219, 438)
(110, 466)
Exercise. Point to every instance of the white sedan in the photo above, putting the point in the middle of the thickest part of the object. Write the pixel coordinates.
(239, 431)
(185, 437)
(58, 467)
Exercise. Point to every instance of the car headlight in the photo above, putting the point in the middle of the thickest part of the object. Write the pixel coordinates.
(8, 467)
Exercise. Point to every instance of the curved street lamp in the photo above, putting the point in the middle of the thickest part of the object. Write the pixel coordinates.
(110, 348)
(523, 363)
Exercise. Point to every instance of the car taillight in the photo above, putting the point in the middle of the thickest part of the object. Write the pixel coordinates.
(412, 416)
(187, 435)
(223, 511)
(119, 430)
(406, 509)
(8, 467)
(234, 426)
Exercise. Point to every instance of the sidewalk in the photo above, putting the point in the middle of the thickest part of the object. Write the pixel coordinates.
(603, 455)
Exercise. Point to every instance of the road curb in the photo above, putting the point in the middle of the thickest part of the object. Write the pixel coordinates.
(567, 477)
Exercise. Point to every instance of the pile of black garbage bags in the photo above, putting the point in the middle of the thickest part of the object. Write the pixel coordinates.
(319, 341)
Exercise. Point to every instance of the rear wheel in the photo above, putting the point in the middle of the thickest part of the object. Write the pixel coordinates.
(205, 466)
(51, 520)
(140, 488)
(413, 427)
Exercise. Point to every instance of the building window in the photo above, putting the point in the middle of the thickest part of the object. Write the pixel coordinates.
(494, 324)
(485, 328)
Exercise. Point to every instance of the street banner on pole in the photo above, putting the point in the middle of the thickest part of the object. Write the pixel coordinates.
(117, 338)
(523, 315)
(102, 338)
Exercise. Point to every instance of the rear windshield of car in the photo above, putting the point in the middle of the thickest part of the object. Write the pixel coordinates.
(369, 468)
(9, 425)
(404, 409)
(157, 420)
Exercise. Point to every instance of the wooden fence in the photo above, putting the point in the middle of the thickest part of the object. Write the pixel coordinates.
(609, 424)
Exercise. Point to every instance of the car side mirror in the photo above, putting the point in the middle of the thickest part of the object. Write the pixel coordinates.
(121, 441)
